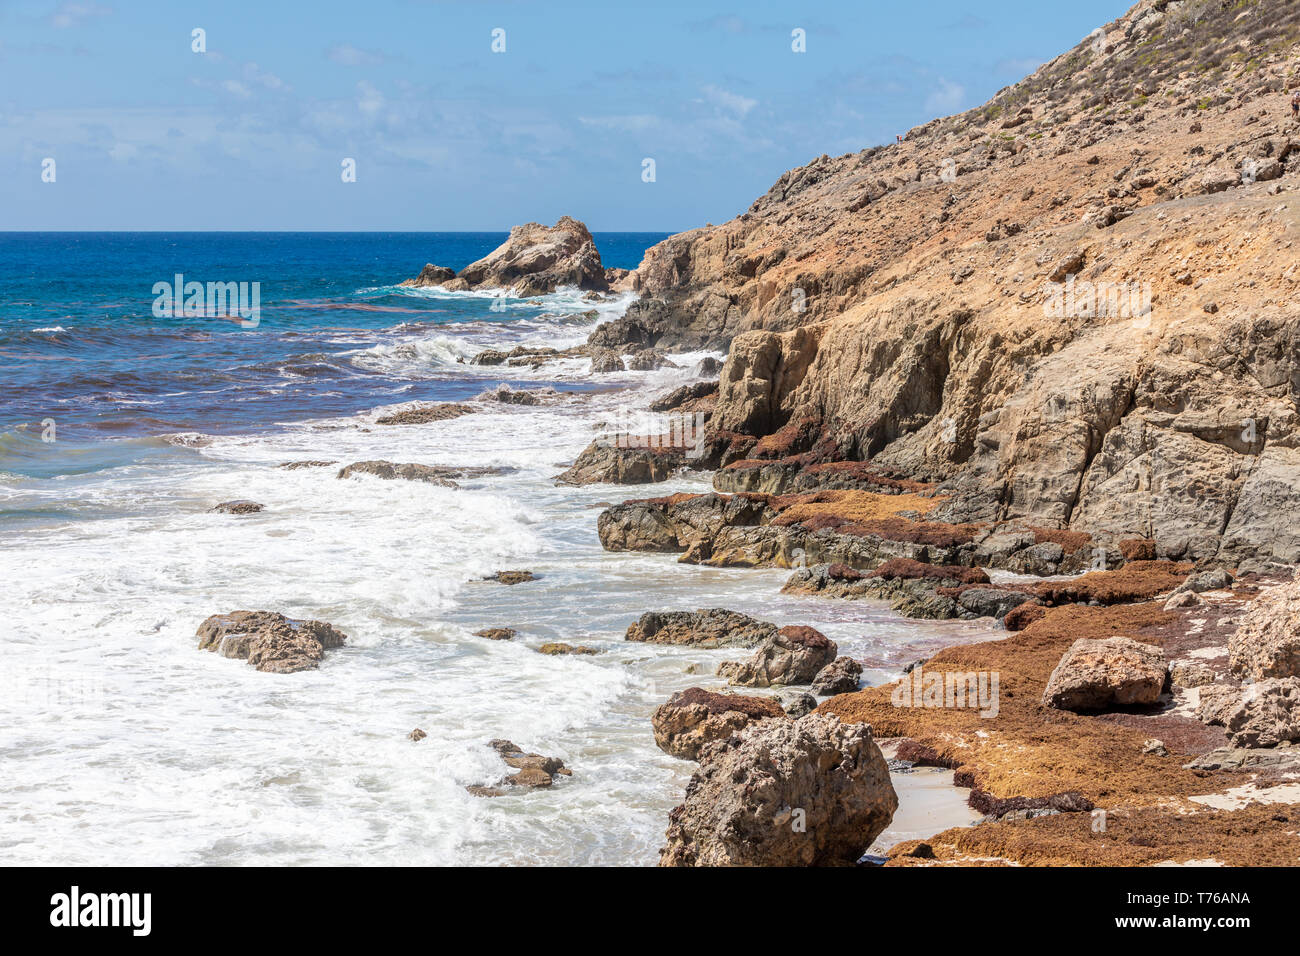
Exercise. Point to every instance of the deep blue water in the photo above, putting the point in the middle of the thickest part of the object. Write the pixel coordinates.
(79, 342)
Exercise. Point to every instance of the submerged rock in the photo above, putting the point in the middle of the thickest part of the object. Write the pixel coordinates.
(695, 717)
(416, 735)
(1098, 674)
(794, 655)
(647, 360)
(240, 507)
(425, 414)
(521, 396)
(387, 470)
(511, 577)
(269, 641)
(806, 792)
(714, 627)
(533, 770)
(554, 648)
(295, 465)
(497, 633)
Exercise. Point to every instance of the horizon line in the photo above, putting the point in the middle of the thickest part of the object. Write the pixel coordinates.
(351, 231)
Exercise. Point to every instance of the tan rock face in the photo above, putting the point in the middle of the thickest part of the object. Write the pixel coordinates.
(1096, 675)
(269, 641)
(694, 717)
(1267, 644)
(1262, 714)
(794, 655)
(1028, 322)
(806, 792)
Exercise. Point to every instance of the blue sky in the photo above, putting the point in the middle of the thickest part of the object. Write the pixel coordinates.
(448, 135)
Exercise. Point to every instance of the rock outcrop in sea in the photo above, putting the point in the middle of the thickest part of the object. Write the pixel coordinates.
(269, 641)
(534, 260)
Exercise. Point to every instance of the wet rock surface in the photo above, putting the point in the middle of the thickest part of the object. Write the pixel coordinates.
(712, 627)
(840, 676)
(532, 771)
(639, 460)
(511, 577)
(425, 414)
(441, 475)
(240, 507)
(269, 641)
(560, 649)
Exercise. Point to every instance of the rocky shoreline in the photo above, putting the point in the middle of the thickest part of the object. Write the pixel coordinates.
(910, 413)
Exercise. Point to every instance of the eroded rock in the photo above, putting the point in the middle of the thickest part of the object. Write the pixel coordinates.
(794, 655)
(1262, 714)
(694, 717)
(1100, 674)
(806, 792)
(269, 641)
(1267, 643)
(534, 260)
(840, 676)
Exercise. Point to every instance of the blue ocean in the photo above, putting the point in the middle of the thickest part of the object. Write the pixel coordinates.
(79, 341)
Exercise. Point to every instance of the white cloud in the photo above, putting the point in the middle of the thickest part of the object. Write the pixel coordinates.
(345, 54)
(732, 102)
(369, 100)
(256, 75)
(948, 98)
(627, 123)
(68, 15)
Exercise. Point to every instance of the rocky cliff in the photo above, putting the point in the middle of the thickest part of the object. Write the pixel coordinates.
(1072, 307)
